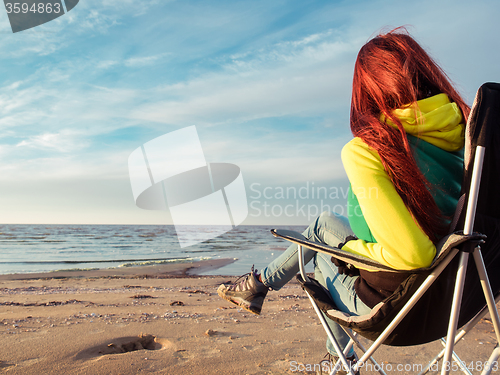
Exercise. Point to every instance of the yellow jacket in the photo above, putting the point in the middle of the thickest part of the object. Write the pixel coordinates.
(400, 242)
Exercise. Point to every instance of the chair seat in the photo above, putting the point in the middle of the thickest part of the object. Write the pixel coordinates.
(424, 323)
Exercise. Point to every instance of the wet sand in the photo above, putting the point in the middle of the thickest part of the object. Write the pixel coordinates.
(168, 320)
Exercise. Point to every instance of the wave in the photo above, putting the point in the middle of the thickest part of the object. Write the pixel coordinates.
(150, 263)
(72, 269)
(100, 261)
(145, 262)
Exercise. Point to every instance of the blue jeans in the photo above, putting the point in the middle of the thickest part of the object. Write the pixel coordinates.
(331, 229)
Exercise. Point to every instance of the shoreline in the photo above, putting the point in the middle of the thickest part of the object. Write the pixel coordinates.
(168, 270)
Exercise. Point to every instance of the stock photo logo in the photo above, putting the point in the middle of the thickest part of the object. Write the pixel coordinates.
(205, 200)
(26, 14)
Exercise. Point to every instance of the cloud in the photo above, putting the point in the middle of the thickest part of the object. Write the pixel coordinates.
(132, 62)
(88, 19)
(142, 61)
(292, 78)
(267, 84)
(42, 158)
(58, 142)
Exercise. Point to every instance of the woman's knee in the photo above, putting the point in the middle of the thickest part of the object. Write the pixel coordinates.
(314, 228)
(328, 218)
(330, 228)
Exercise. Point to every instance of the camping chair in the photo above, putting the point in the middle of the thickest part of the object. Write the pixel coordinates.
(424, 308)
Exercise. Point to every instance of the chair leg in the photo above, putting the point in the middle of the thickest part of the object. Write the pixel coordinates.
(465, 330)
(329, 333)
(457, 297)
(457, 359)
(492, 309)
(408, 306)
(488, 293)
(455, 312)
(492, 360)
(355, 340)
(322, 319)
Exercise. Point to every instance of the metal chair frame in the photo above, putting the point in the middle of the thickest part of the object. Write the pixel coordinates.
(452, 337)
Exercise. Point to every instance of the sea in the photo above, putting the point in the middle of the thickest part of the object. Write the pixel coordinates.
(45, 248)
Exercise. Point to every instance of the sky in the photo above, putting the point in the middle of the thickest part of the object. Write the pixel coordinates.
(266, 83)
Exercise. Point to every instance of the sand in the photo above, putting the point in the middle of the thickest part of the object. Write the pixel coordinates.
(167, 320)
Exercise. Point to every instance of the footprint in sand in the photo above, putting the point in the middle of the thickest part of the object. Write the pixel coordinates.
(4, 364)
(147, 342)
(125, 345)
(183, 355)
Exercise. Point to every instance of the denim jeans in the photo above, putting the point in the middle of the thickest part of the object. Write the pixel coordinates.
(331, 229)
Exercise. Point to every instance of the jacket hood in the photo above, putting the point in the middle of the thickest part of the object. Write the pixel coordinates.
(435, 120)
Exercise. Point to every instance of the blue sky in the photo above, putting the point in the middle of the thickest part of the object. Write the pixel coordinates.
(266, 83)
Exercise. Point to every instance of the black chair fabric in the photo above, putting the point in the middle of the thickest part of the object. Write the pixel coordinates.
(428, 320)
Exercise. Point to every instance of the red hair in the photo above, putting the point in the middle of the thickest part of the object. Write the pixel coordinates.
(392, 71)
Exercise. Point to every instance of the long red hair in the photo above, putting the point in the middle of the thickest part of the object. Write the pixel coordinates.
(391, 71)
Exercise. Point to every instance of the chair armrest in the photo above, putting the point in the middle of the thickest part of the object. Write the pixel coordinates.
(356, 260)
(444, 246)
(451, 241)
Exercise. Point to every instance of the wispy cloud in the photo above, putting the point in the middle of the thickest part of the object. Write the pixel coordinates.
(58, 142)
(290, 78)
(142, 61)
(286, 79)
(267, 84)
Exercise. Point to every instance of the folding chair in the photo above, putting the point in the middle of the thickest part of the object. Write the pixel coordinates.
(427, 306)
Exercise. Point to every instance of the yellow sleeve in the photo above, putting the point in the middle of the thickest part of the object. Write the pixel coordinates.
(401, 243)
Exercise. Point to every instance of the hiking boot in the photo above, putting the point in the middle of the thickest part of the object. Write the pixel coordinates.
(247, 292)
(330, 360)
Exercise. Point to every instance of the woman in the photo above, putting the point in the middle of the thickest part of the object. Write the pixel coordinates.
(405, 170)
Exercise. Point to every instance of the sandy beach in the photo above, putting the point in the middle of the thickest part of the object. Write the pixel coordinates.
(169, 320)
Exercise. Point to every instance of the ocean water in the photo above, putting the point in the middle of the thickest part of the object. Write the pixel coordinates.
(44, 248)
